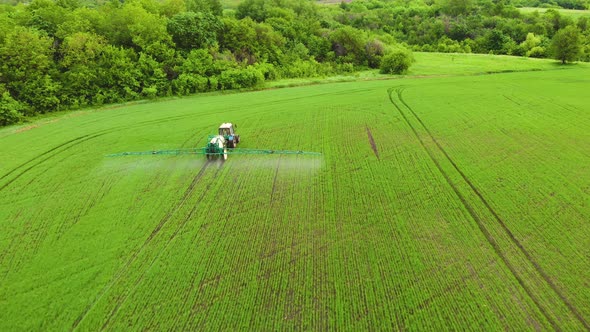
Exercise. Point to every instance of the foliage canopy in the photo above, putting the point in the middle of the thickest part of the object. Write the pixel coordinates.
(67, 54)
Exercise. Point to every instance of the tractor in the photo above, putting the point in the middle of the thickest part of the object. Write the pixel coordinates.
(227, 131)
(218, 144)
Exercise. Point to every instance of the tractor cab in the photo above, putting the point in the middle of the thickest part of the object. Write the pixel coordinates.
(227, 131)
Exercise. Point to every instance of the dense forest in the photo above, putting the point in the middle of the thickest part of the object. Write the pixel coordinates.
(67, 54)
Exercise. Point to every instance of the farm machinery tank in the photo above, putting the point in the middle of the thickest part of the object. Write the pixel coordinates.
(226, 139)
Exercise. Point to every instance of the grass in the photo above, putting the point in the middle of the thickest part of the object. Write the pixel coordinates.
(441, 64)
(469, 211)
(230, 4)
(573, 13)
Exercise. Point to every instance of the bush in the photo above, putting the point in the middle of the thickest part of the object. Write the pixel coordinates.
(375, 50)
(344, 68)
(447, 45)
(10, 110)
(268, 70)
(240, 78)
(585, 53)
(187, 84)
(149, 92)
(536, 52)
(301, 68)
(397, 61)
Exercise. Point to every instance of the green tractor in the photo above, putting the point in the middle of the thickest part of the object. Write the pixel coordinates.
(218, 144)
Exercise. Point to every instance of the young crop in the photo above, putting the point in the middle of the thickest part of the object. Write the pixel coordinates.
(447, 203)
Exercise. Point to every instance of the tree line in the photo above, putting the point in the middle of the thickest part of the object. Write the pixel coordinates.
(68, 54)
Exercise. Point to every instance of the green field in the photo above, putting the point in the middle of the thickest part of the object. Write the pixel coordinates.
(573, 13)
(439, 203)
(433, 64)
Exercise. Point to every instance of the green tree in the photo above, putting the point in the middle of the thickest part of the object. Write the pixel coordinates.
(250, 41)
(170, 8)
(531, 41)
(146, 28)
(117, 76)
(255, 9)
(130, 26)
(6, 26)
(80, 54)
(46, 15)
(566, 44)
(153, 81)
(494, 40)
(191, 30)
(27, 69)
(349, 43)
(532, 46)
(208, 6)
(456, 7)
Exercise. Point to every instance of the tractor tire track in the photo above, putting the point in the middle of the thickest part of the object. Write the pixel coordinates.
(86, 137)
(506, 97)
(124, 269)
(55, 151)
(122, 300)
(64, 147)
(490, 239)
(499, 220)
(41, 155)
(274, 181)
(61, 148)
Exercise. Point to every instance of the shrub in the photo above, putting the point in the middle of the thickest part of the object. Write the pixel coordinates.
(149, 92)
(268, 70)
(301, 68)
(536, 52)
(397, 61)
(240, 78)
(10, 110)
(186, 84)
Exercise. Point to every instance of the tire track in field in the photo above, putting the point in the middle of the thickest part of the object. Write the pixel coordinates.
(64, 147)
(124, 269)
(185, 220)
(490, 239)
(498, 219)
(274, 181)
(194, 303)
(60, 148)
(86, 137)
(41, 155)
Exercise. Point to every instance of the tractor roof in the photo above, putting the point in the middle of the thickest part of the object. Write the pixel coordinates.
(225, 125)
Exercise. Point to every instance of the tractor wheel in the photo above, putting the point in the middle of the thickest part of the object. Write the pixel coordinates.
(237, 139)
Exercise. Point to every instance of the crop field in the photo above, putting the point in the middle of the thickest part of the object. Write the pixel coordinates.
(573, 13)
(455, 203)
